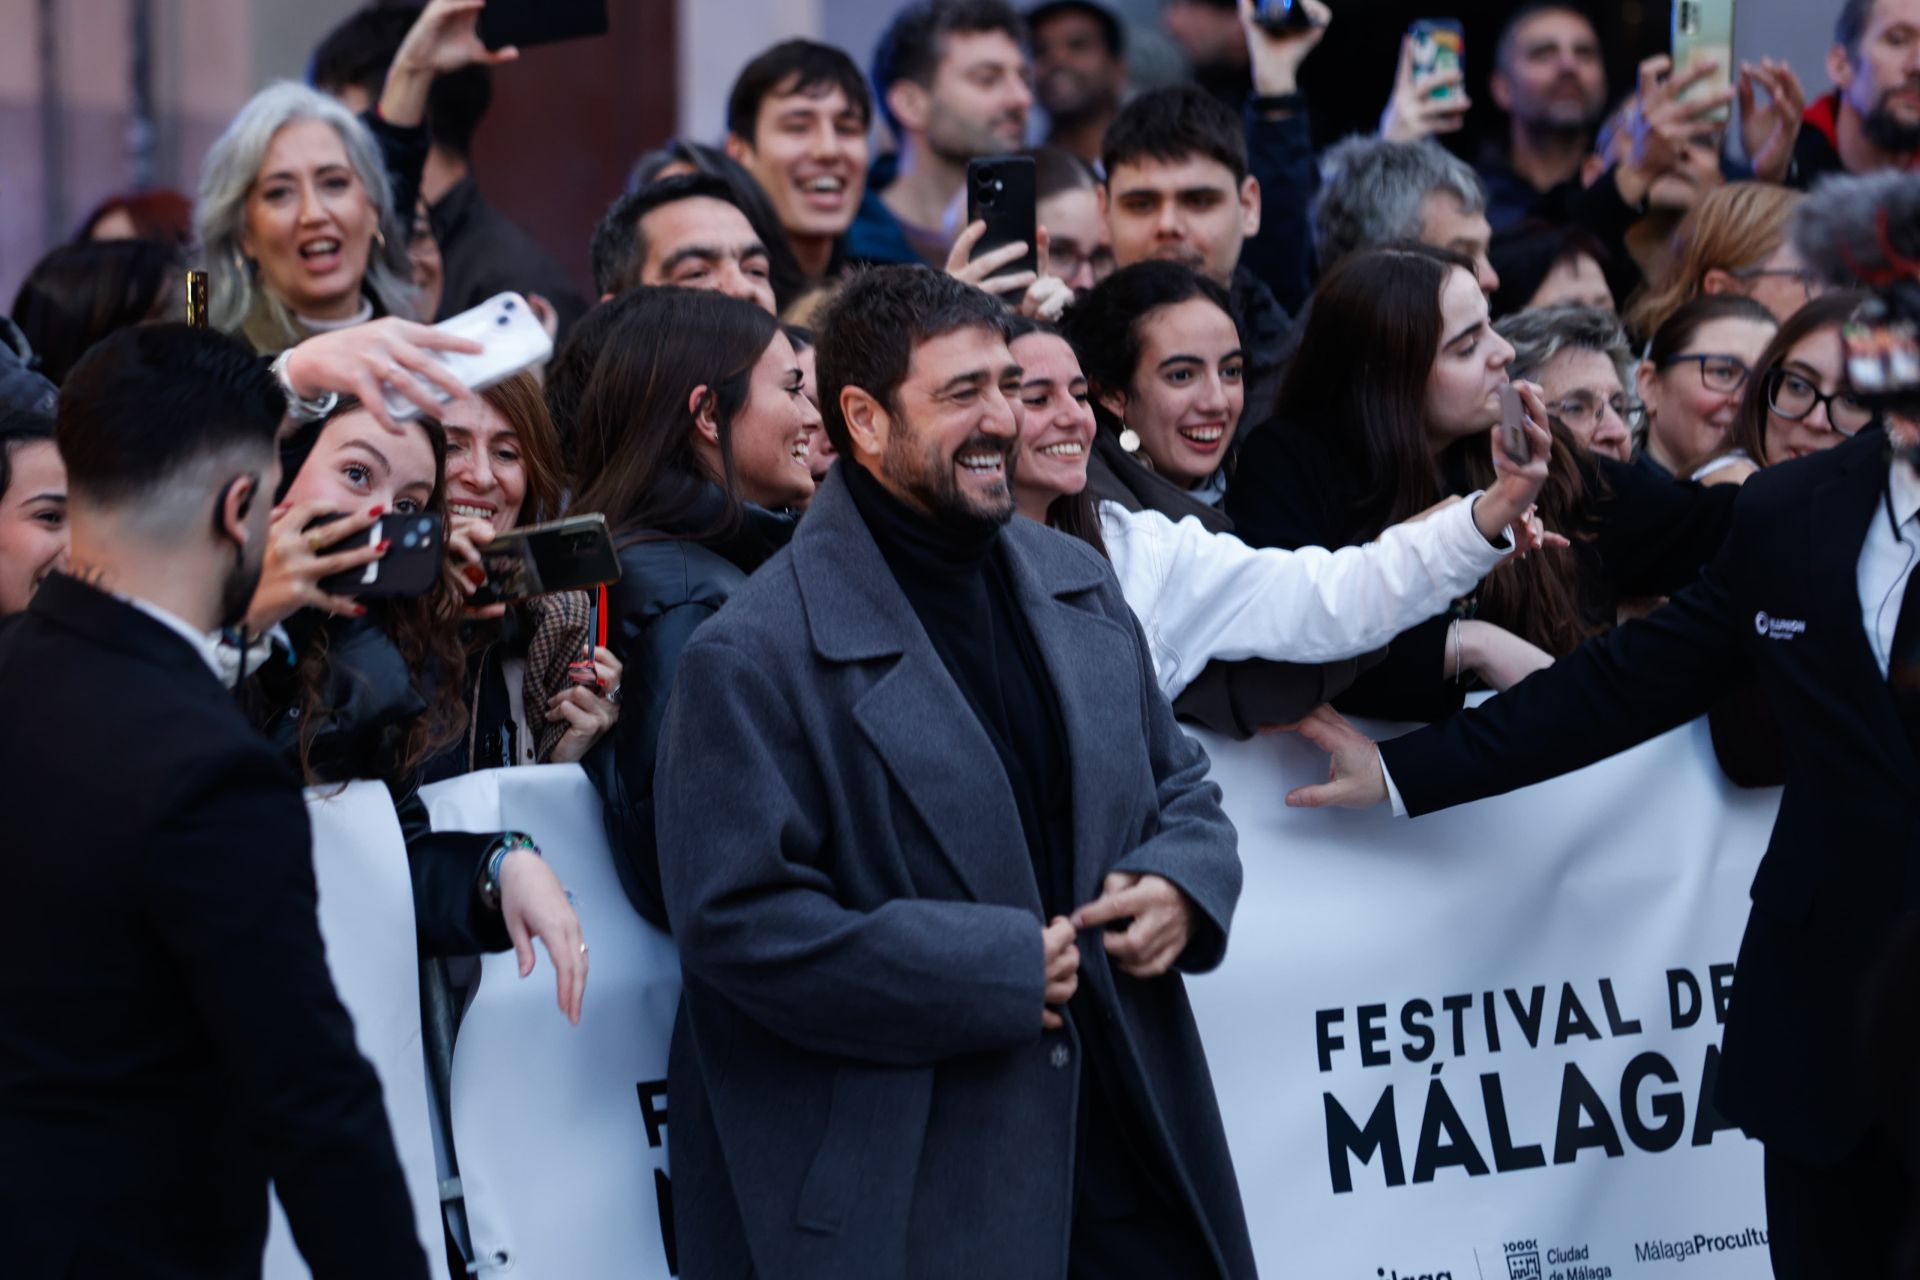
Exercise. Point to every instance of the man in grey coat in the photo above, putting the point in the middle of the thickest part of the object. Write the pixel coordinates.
(933, 850)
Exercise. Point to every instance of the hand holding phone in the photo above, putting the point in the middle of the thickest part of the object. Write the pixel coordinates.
(1703, 38)
(574, 554)
(1002, 193)
(1439, 48)
(409, 567)
(529, 22)
(511, 340)
(1283, 17)
(1513, 433)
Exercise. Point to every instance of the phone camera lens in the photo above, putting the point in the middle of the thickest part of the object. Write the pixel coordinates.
(508, 305)
(503, 321)
(411, 540)
(426, 525)
(987, 178)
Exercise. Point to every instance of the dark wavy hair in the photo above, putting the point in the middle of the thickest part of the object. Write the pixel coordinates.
(1828, 311)
(425, 629)
(1103, 327)
(1359, 379)
(634, 458)
(80, 293)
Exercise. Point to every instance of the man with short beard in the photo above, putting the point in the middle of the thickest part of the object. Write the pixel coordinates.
(1551, 81)
(952, 81)
(170, 1038)
(1871, 120)
(1079, 71)
(909, 776)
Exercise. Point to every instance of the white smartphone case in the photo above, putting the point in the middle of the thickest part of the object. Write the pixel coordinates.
(511, 341)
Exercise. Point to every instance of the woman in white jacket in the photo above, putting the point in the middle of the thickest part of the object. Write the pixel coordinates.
(1202, 596)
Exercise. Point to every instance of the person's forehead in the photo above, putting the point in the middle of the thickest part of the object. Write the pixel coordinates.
(307, 142)
(962, 51)
(1579, 369)
(1554, 27)
(1151, 173)
(1045, 356)
(969, 349)
(1891, 13)
(1445, 220)
(1068, 26)
(825, 97)
(1196, 326)
(1820, 349)
(697, 218)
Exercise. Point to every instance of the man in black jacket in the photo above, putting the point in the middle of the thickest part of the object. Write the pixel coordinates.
(170, 1039)
(1814, 595)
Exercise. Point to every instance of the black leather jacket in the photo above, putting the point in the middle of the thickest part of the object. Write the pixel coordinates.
(669, 585)
(371, 702)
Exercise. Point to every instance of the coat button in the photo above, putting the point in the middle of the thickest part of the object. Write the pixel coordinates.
(1059, 1057)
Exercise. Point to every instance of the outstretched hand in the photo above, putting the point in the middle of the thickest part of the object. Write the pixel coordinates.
(1768, 131)
(1414, 111)
(1355, 777)
(534, 905)
(367, 360)
(444, 38)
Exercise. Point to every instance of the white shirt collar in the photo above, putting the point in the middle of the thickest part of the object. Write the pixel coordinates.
(1903, 487)
(202, 643)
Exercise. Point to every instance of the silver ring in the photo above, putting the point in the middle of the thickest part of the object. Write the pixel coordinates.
(583, 948)
(613, 695)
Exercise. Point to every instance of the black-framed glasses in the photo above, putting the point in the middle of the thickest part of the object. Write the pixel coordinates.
(1583, 410)
(1793, 396)
(1717, 373)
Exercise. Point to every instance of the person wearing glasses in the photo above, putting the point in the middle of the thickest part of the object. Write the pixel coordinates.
(1691, 382)
(1636, 536)
(1733, 243)
(1797, 404)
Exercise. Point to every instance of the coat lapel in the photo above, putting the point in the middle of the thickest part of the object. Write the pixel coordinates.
(1094, 666)
(914, 715)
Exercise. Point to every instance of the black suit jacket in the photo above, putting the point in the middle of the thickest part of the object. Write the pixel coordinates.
(1779, 604)
(169, 1034)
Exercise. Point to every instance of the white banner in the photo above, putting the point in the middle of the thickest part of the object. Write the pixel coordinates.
(560, 1130)
(366, 921)
(1480, 1044)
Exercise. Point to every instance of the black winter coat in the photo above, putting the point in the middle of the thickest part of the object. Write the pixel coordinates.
(669, 585)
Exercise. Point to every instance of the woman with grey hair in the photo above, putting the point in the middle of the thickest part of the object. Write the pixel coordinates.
(1580, 357)
(297, 222)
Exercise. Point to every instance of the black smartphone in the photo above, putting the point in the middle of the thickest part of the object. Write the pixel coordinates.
(528, 22)
(410, 567)
(574, 554)
(1282, 16)
(1001, 193)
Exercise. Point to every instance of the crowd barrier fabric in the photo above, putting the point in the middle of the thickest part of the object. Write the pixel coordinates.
(366, 921)
(1480, 1045)
(561, 1131)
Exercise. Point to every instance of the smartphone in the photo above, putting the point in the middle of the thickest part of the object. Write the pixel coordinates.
(1282, 16)
(1439, 44)
(1001, 193)
(1704, 29)
(511, 341)
(574, 554)
(528, 22)
(410, 567)
(1514, 441)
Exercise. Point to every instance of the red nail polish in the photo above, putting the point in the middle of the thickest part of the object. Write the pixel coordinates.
(375, 513)
(475, 574)
(382, 548)
(359, 611)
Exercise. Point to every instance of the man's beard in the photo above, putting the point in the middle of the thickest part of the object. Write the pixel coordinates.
(932, 480)
(236, 593)
(1889, 132)
(957, 141)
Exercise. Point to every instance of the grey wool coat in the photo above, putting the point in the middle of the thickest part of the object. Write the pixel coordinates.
(859, 1083)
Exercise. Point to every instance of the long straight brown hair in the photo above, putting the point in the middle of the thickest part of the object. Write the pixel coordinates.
(1360, 379)
(634, 458)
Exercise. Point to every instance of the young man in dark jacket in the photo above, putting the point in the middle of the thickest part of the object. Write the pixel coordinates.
(170, 1038)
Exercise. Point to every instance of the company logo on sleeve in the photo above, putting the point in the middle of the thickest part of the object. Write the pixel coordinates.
(1768, 627)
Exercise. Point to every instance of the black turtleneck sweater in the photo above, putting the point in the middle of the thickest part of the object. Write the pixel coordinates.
(1128, 1217)
(962, 592)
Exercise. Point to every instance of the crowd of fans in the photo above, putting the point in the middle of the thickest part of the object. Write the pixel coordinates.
(1258, 381)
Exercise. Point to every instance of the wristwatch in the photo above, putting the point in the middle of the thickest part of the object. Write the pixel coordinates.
(497, 852)
(299, 408)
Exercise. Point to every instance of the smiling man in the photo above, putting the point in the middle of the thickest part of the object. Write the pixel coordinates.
(952, 80)
(798, 120)
(910, 1044)
(684, 231)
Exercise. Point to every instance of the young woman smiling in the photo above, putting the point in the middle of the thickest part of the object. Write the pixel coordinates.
(1202, 596)
(691, 438)
(365, 695)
